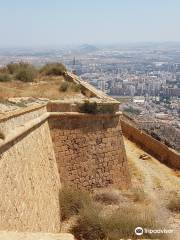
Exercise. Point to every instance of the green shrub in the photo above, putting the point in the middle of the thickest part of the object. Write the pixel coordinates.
(26, 73)
(4, 77)
(64, 86)
(56, 69)
(13, 67)
(94, 108)
(91, 225)
(22, 71)
(89, 107)
(75, 87)
(106, 108)
(2, 136)
(72, 201)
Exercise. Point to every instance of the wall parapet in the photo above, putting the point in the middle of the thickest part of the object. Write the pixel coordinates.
(19, 112)
(23, 129)
(157, 149)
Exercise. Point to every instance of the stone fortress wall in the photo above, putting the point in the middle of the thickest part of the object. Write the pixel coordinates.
(29, 180)
(42, 147)
(45, 146)
(154, 147)
(89, 150)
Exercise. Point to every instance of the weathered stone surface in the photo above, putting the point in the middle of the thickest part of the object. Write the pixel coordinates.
(29, 180)
(89, 154)
(90, 151)
(34, 236)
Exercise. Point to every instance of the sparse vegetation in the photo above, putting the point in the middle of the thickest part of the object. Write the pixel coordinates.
(94, 221)
(72, 201)
(92, 225)
(68, 86)
(56, 69)
(88, 107)
(14, 67)
(18, 76)
(64, 86)
(22, 71)
(2, 136)
(93, 108)
(26, 73)
(4, 77)
(89, 225)
(174, 202)
(108, 197)
(139, 195)
(106, 108)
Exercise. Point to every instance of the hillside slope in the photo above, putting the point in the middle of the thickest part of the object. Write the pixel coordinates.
(158, 181)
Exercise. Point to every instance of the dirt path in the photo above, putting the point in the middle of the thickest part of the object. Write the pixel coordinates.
(157, 180)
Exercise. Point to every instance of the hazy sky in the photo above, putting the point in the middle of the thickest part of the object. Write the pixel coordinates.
(57, 22)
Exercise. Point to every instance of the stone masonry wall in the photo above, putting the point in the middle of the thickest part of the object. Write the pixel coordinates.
(89, 150)
(29, 180)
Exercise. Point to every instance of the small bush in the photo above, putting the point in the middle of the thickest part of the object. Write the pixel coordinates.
(72, 201)
(93, 108)
(4, 70)
(91, 225)
(107, 197)
(22, 71)
(2, 136)
(76, 87)
(64, 86)
(174, 203)
(4, 77)
(106, 109)
(26, 73)
(56, 69)
(88, 107)
(14, 67)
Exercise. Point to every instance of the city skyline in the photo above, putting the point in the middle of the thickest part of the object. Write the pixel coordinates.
(43, 23)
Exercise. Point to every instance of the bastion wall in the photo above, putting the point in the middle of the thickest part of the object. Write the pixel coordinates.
(40, 150)
(89, 150)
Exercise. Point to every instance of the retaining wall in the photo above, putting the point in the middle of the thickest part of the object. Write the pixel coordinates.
(157, 149)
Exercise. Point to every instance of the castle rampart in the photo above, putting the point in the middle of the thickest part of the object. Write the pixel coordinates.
(40, 150)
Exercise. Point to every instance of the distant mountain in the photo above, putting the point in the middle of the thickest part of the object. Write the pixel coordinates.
(85, 48)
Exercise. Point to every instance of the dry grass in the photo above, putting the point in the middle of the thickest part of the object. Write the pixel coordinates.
(174, 202)
(91, 225)
(95, 221)
(72, 201)
(107, 196)
(45, 87)
(139, 195)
